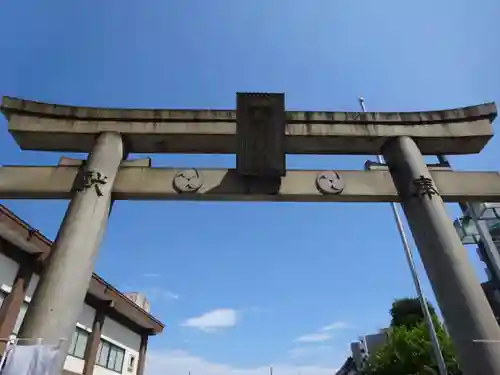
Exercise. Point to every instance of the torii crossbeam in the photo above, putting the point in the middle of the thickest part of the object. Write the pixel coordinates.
(260, 132)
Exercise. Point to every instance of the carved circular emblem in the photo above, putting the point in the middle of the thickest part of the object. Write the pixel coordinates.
(188, 181)
(330, 182)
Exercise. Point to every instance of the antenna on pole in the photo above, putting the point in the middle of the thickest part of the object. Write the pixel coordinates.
(361, 101)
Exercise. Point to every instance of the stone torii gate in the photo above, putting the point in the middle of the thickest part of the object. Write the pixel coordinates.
(260, 132)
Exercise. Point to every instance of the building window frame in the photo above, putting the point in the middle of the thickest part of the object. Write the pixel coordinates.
(22, 310)
(20, 317)
(78, 334)
(119, 354)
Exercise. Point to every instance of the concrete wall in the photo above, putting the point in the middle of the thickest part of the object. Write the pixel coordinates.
(113, 332)
(366, 346)
(358, 353)
(375, 341)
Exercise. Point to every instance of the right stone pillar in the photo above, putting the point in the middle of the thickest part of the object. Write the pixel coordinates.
(468, 316)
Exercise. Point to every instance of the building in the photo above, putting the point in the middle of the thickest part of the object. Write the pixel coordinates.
(367, 345)
(348, 368)
(469, 235)
(112, 333)
(492, 293)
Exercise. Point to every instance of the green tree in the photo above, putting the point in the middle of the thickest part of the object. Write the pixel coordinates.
(408, 350)
(407, 312)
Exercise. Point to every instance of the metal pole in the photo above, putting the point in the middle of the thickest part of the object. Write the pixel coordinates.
(416, 281)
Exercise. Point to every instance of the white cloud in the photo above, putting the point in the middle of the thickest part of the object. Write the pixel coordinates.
(213, 320)
(179, 362)
(313, 337)
(169, 294)
(323, 334)
(335, 326)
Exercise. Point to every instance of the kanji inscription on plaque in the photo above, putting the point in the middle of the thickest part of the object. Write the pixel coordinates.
(260, 134)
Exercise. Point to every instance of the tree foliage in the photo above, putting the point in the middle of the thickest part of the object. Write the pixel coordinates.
(408, 312)
(408, 350)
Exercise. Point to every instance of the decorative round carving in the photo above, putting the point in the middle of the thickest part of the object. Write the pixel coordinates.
(188, 181)
(330, 182)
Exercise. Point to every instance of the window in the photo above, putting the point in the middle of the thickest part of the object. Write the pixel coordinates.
(20, 318)
(78, 343)
(110, 356)
(119, 360)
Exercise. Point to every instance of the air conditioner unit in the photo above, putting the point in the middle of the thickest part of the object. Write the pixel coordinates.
(131, 362)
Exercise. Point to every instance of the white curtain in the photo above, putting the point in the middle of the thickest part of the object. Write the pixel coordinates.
(31, 360)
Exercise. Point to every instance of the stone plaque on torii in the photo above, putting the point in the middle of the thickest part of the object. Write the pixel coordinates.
(260, 132)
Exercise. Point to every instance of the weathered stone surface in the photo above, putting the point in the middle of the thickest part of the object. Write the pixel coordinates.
(226, 185)
(72, 162)
(73, 129)
(461, 300)
(260, 134)
(63, 284)
(14, 105)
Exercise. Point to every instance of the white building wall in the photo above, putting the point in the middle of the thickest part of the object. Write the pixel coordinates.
(112, 331)
(8, 270)
(85, 321)
(74, 364)
(121, 336)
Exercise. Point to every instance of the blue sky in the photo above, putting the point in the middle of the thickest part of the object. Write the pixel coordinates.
(277, 271)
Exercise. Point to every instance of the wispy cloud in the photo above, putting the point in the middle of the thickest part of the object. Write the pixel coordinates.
(169, 294)
(323, 334)
(213, 320)
(335, 326)
(313, 337)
